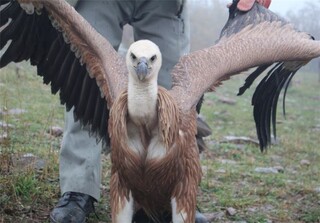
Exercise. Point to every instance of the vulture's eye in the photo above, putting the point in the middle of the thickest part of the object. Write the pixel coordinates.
(153, 58)
(133, 56)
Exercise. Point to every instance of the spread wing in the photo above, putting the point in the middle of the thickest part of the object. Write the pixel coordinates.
(69, 54)
(256, 38)
(266, 95)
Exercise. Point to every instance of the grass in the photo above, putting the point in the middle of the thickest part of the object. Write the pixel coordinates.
(27, 194)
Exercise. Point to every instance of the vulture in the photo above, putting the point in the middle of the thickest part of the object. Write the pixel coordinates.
(151, 130)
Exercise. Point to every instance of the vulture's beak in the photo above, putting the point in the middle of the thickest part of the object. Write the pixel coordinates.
(142, 68)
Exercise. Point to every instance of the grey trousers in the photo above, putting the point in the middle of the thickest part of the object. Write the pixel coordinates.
(156, 20)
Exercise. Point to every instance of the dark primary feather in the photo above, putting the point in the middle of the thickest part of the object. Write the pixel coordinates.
(61, 76)
(251, 78)
(34, 38)
(266, 95)
(14, 11)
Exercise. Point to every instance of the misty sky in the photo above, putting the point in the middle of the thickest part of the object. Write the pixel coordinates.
(283, 6)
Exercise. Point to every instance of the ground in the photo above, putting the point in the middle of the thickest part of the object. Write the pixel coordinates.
(240, 184)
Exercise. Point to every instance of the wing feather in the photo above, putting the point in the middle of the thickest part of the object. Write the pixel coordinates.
(69, 54)
(61, 77)
(197, 72)
(84, 96)
(93, 96)
(256, 38)
(12, 10)
(265, 98)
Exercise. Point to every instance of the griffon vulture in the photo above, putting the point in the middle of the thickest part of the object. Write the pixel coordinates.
(152, 130)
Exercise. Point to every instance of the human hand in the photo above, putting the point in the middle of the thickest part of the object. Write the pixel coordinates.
(246, 5)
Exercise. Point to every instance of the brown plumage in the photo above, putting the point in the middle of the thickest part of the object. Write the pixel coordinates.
(155, 163)
(154, 181)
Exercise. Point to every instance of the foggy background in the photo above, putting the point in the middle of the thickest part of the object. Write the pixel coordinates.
(207, 17)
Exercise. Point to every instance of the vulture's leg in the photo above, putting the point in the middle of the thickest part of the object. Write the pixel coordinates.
(180, 211)
(122, 203)
(184, 196)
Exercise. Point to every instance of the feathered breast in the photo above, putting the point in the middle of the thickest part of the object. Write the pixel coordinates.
(155, 178)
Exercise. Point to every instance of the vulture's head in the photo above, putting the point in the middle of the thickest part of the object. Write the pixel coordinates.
(143, 60)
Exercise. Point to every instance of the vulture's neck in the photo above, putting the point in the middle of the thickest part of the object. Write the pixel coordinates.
(142, 102)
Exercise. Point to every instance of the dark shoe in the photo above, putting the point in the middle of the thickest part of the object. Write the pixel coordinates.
(72, 208)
